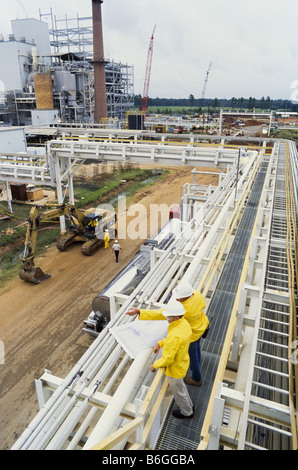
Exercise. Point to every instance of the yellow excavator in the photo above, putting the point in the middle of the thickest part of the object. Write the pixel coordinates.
(85, 226)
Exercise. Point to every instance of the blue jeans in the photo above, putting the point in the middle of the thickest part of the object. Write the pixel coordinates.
(195, 360)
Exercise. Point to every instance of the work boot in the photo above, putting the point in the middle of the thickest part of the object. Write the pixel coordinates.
(190, 381)
(179, 415)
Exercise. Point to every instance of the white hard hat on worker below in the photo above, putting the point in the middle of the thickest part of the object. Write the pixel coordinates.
(173, 309)
(184, 289)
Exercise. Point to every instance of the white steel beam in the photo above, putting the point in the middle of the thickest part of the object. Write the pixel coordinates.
(198, 238)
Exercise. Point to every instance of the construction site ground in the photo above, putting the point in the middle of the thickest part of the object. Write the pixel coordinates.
(41, 325)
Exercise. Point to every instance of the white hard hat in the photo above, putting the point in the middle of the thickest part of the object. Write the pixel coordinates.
(116, 241)
(184, 289)
(173, 309)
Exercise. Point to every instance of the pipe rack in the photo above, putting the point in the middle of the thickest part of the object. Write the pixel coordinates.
(84, 408)
(261, 403)
(93, 368)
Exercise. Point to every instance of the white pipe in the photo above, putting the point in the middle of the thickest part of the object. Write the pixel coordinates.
(88, 366)
(77, 411)
(113, 410)
(58, 396)
(196, 262)
(80, 432)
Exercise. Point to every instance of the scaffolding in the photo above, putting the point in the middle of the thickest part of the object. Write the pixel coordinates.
(70, 64)
(120, 90)
(72, 38)
(71, 35)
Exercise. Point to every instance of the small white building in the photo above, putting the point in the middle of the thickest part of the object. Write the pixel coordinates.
(45, 116)
(13, 140)
(17, 53)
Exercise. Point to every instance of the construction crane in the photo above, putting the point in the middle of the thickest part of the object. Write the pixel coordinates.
(205, 83)
(144, 99)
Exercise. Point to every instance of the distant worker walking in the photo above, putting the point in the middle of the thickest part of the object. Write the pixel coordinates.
(116, 249)
(107, 239)
(175, 358)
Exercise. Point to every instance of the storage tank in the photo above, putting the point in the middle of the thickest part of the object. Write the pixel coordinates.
(43, 91)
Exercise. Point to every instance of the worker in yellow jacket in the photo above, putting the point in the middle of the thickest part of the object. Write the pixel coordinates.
(193, 303)
(175, 358)
(106, 239)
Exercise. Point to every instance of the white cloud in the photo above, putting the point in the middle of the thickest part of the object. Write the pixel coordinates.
(252, 45)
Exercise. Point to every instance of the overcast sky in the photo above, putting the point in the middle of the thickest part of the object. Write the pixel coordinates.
(253, 45)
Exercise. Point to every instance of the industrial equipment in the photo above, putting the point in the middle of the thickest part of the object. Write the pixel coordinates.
(127, 280)
(144, 99)
(86, 226)
(99, 64)
(206, 81)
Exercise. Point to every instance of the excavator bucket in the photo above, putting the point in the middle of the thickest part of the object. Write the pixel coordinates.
(34, 275)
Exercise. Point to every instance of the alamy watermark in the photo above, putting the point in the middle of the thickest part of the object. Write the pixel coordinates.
(137, 222)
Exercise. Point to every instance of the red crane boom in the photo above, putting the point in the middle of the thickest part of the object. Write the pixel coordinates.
(144, 99)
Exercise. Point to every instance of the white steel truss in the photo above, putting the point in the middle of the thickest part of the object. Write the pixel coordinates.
(262, 403)
(86, 410)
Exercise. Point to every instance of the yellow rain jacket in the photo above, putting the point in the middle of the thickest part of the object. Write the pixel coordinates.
(194, 314)
(106, 240)
(175, 346)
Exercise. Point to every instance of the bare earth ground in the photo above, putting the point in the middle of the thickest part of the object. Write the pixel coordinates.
(41, 325)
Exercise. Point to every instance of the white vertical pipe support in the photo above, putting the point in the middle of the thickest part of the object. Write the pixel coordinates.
(59, 193)
(70, 185)
(113, 410)
(8, 197)
(216, 421)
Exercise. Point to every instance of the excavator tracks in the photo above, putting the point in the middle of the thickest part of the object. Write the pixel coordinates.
(64, 241)
(89, 248)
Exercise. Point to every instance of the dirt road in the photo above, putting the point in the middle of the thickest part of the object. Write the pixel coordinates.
(41, 325)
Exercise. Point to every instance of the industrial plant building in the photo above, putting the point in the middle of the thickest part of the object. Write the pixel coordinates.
(231, 235)
(47, 75)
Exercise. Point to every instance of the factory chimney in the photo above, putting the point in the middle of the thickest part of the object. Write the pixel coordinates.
(99, 64)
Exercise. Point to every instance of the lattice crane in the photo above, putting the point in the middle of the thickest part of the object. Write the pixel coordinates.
(206, 81)
(144, 99)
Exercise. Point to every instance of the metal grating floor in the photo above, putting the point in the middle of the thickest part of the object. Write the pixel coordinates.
(185, 434)
(271, 379)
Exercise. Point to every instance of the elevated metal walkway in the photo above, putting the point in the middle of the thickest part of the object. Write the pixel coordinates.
(271, 381)
(185, 435)
(241, 254)
(25, 168)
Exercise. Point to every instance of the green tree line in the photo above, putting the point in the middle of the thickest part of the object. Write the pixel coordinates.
(264, 103)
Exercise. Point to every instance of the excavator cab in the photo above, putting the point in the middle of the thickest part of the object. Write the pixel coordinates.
(85, 227)
(91, 221)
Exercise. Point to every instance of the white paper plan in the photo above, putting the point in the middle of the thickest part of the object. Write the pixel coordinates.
(140, 334)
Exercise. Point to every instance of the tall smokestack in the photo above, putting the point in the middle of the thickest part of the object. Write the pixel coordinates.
(99, 64)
